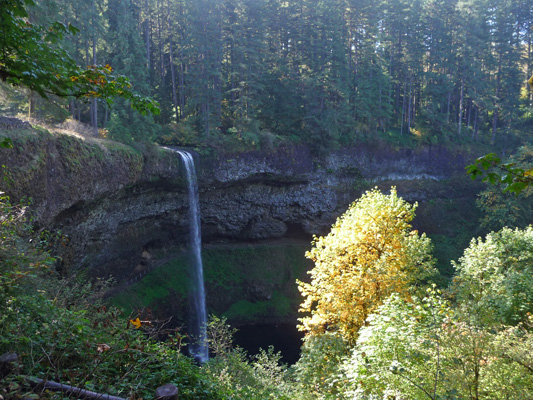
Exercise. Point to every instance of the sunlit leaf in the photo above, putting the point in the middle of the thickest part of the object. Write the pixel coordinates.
(136, 322)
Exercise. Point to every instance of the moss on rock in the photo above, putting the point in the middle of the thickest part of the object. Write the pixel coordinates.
(247, 284)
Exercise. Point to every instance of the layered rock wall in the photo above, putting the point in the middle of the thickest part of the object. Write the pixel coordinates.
(116, 203)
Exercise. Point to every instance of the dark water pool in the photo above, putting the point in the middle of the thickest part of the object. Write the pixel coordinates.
(284, 337)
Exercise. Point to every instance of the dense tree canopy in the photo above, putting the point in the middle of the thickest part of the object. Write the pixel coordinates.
(477, 347)
(327, 72)
(369, 254)
(423, 349)
(31, 55)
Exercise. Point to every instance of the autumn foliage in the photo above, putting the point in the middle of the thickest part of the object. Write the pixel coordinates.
(369, 254)
(31, 55)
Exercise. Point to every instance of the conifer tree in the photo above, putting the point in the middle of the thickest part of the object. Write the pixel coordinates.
(126, 54)
(322, 72)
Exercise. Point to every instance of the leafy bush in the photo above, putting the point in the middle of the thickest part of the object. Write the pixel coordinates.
(422, 349)
(494, 282)
(67, 336)
(398, 353)
(508, 208)
(259, 377)
(318, 369)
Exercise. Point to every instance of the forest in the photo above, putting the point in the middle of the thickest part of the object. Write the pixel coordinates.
(380, 321)
(328, 73)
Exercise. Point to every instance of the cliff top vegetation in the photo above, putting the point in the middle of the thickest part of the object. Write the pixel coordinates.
(243, 75)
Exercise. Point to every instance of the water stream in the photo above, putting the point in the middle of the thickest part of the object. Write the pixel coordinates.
(198, 318)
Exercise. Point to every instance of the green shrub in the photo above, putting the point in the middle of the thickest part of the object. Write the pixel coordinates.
(258, 377)
(318, 369)
(425, 349)
(494, 282)
(61, 331)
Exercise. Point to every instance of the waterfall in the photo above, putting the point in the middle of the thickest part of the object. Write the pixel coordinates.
(197, 314)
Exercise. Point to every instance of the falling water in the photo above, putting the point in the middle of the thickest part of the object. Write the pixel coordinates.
(198, 318)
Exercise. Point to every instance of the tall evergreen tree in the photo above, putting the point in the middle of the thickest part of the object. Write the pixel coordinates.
(322, 71)
(127, 55)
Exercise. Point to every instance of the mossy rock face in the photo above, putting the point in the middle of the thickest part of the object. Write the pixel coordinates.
(59, 170)
(278, 306)
(255, 282)
(246, 283)
(114, 202)
(108, 198)
(165, 283)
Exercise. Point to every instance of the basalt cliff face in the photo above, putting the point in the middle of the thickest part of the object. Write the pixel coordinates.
(289, 192)
(116, 203)
(107, 199)
(124, 209)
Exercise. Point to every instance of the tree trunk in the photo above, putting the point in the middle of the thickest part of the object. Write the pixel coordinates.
(217, 81)
(94, 103)
(403, 107)
(468, 116)
(232, 74)
(409, 104)
(476, 123)
(106, 116)
(182, 98)
(448, 107)
(72, 108)
(529, 73)
(147, 34)
(161, 56)
(460, 119)
(181, 78)
(497, 101)
(172, 69)
(207, 112)
(31, 105)
(173, 77)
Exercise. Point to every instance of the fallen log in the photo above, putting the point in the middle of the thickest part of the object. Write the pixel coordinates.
(165, 392)
(73, 391)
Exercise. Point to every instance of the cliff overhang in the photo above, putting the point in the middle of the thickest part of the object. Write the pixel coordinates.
(117, 203)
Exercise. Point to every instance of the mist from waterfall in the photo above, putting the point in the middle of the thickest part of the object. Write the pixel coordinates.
(197, 315)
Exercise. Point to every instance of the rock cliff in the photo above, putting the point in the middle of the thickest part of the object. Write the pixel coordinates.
(289, 192)
(113, 201)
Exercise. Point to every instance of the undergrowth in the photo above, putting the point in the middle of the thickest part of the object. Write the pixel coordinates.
(62, 333)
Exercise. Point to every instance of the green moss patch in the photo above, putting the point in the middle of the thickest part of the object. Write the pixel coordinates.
(155, 286)
(246, 311)
(271, 263)
(244, 283)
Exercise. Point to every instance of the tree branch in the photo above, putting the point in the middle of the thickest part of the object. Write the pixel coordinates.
(73, 391)
(412, 382)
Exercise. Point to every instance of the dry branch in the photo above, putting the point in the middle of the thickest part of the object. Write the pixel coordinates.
(73, 391)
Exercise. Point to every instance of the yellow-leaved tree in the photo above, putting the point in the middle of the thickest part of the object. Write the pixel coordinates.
(370, 253)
